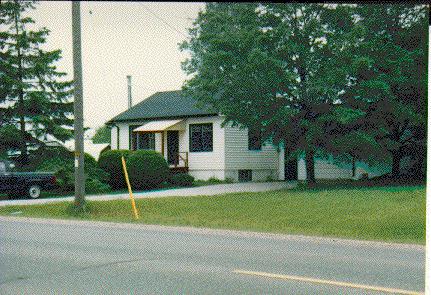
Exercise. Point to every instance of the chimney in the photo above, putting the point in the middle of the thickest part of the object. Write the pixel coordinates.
(129, 91)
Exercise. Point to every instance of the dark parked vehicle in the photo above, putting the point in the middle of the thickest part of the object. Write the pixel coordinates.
(30, 184)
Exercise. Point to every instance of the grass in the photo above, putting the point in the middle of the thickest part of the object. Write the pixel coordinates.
(392, 214)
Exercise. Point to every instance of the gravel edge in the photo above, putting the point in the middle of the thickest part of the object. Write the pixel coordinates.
(218, 232)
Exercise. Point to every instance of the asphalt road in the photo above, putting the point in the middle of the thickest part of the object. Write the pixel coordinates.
(76, 257)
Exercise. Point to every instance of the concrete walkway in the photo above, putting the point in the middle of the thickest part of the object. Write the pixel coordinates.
(209, 190)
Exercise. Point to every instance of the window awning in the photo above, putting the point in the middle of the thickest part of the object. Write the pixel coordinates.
(157, 126)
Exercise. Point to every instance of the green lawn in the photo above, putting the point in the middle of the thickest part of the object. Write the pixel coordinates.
(394, 214)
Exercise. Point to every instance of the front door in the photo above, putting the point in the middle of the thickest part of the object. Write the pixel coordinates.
(173, 147)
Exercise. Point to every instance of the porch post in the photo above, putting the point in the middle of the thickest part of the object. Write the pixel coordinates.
(163, 144)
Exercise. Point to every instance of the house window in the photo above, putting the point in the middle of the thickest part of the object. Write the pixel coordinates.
(201, 137)
(145, 141)
(245, 175)
(254, 140)
(141, 140)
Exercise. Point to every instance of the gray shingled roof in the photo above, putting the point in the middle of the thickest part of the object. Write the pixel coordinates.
(167, 104)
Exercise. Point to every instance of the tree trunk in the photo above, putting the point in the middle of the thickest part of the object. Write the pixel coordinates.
(286, 160)
(396, 160)
(309, 162)
(353, 166)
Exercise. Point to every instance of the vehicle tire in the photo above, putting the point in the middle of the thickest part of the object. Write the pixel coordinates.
(34, 191)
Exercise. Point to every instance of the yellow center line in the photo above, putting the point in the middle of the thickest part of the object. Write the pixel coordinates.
(327, 282)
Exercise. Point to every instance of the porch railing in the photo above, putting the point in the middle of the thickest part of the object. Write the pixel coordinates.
(182, 157)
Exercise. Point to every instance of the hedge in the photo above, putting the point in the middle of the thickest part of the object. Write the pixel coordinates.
(182, 179)
(147, 169)
(110, 162)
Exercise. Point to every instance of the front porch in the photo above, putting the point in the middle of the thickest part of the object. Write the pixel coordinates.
(166, 137)
(180, 163)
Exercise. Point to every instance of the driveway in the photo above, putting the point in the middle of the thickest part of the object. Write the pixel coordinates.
(210, 190)
(39, 256)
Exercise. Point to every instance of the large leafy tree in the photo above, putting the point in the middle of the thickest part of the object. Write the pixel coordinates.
(344, 79)
(35, 103)
(281, 68)
(390, 79)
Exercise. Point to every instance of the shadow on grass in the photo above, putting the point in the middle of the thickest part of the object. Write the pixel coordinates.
(382, 182)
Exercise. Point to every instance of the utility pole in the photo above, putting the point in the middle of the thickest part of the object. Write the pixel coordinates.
(78, 108)
(129, 91)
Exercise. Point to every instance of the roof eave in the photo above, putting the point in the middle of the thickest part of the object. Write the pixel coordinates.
(113, 121)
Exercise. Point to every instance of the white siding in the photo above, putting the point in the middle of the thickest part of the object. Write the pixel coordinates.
(263, 163)
(328, 169)
(324, 169)
(158, 142)
(114, 138)
(183, 141)
(124, 136)
(281, 164)
(257, 174)
(302, 171)
(207, 174)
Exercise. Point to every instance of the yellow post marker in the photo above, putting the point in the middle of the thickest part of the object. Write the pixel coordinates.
(135, 211)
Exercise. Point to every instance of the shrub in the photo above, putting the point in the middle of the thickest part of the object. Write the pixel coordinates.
(44, 153)
(64, 170)
(269, 178)
(95, 186)
(182, 179)
(110, 162)
(147, 169)
(214, 179)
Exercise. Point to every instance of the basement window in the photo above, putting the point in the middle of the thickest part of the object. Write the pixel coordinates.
(245, 175)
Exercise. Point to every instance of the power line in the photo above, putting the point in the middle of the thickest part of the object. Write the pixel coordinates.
(162, 20)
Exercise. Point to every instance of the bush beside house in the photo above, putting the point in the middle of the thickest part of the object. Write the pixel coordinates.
(110, 162)
(147, 169)
(182, 179)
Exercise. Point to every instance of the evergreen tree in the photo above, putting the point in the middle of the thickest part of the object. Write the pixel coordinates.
(102, 135)
(35, 103)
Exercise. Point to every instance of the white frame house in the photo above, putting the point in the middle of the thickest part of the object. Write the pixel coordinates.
(207, 152)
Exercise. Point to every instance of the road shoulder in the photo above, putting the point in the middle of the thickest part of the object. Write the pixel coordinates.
(217, 232)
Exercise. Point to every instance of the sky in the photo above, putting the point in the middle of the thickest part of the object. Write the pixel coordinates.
(120, 39)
